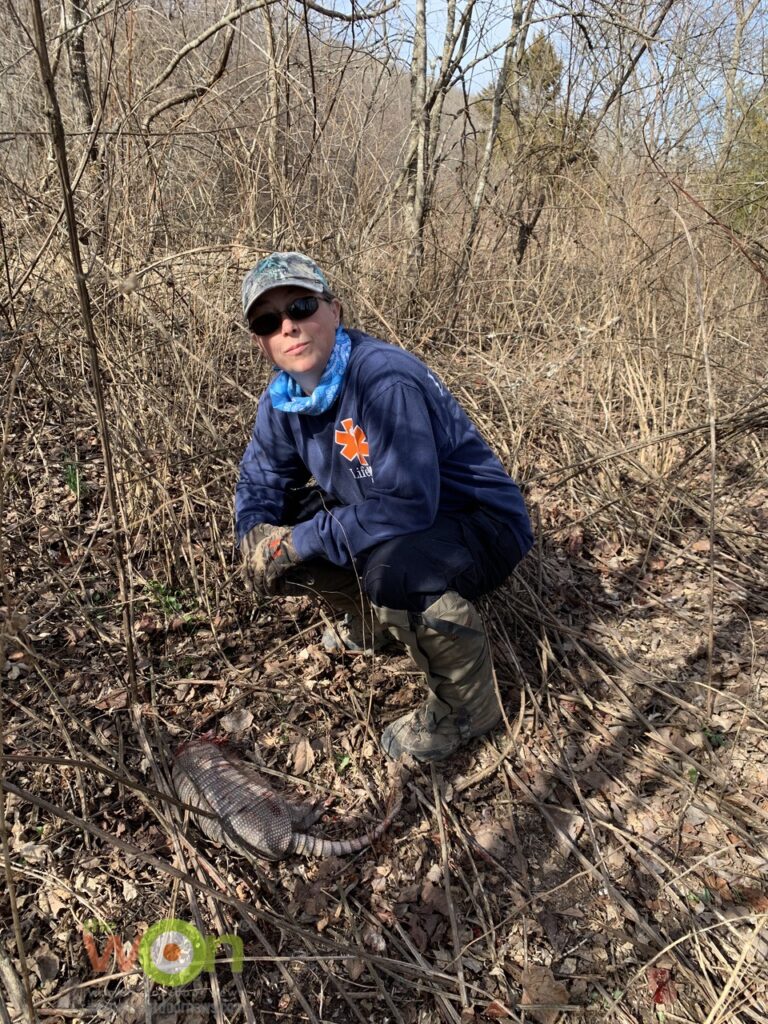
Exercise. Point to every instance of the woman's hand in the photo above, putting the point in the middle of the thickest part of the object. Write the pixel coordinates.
(268, 553)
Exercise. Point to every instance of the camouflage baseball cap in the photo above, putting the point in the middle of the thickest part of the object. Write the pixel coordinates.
(279, 269)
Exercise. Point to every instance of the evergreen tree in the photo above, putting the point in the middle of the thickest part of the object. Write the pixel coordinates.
(537, 128)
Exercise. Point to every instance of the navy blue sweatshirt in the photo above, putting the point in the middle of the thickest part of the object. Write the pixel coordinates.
(394, 450)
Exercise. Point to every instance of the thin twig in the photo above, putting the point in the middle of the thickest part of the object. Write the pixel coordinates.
(457, 958)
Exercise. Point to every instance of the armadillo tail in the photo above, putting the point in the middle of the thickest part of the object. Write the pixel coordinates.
(315, 846)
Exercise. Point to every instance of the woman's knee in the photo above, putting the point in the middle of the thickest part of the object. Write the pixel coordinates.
(386, 577)
(406, 573)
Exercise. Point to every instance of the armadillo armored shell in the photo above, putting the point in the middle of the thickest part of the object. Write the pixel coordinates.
(248, 815)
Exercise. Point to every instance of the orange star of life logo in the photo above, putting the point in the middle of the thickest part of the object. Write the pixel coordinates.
(354, 443)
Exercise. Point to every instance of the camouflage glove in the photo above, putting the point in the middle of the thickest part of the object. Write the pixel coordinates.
(254, 537)
(267, 556)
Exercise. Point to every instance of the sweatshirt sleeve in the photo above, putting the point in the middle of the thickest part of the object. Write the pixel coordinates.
(269, 467)
(405, 495)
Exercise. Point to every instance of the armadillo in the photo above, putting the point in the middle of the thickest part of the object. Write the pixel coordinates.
(249, 815)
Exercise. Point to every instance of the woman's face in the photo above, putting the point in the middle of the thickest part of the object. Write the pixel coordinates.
(300, 347)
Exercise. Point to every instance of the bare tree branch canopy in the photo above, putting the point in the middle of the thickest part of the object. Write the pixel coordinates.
(236, 15)
(194, 92)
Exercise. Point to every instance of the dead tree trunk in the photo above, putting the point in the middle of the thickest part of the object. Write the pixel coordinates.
(415, 176)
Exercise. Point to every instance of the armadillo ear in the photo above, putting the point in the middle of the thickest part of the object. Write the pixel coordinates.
(304, 815)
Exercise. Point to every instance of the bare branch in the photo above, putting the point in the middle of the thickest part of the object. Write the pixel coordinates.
(194, 92)
(234, 16)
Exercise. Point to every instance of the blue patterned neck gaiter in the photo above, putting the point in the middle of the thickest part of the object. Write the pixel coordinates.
(287, 396)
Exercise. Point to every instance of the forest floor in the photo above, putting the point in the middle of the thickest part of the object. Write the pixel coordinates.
(602, 857)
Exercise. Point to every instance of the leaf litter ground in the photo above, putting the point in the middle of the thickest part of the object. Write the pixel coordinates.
(601, 857)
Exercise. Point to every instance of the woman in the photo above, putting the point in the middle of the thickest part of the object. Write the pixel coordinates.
(411, 517)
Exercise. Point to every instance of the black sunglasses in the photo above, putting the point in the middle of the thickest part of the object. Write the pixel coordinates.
(299, 309)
